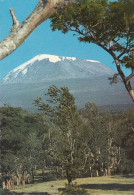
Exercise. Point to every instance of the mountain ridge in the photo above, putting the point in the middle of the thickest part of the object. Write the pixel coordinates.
(49, 66)
(87, 80)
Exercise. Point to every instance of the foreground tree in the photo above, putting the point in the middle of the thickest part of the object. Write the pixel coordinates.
(71, 143)
(19, 32)
(108, 24)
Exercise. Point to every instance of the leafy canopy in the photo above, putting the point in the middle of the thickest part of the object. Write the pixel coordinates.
(71, 144)
(109, 24)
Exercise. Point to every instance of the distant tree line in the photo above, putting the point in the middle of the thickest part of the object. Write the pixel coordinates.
(64, 142)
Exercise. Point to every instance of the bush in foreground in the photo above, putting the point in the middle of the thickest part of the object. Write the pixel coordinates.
(73, 189)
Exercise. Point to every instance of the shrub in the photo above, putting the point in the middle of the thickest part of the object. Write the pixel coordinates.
(73, 189)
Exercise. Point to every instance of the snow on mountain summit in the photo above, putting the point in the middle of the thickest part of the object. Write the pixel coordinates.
(46, 66)
(23, 68)
(52, 58)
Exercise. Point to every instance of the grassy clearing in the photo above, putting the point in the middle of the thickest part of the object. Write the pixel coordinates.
(108, 185)
(96, 185)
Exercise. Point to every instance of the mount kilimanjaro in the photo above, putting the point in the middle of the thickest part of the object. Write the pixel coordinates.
(87, 80)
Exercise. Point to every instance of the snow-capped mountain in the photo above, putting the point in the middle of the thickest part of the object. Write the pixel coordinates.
(49, 67)
(87, 80)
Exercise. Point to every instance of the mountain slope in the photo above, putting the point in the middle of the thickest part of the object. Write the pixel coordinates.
(48, 67)
(87, 80)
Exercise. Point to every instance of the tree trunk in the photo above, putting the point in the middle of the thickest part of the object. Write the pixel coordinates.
(4, 184)
(9, 184)
(19, 33)
(18, 178)
(109, 171)
(91, 174)
(97, 173)
(43, 174)
(105, 172)
(24, 178)
(23, 182)
(126, 80)
(69, 177)
(32, 174)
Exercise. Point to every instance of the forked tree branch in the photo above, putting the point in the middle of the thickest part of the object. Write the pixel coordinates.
(126, 80)
(130, 76)
(15, 21)
(19, 33)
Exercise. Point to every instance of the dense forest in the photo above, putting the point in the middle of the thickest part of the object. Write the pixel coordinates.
(64, 142)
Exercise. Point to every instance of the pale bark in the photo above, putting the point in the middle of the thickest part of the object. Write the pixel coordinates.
(91, 174)
(19, 32)
(97, 173)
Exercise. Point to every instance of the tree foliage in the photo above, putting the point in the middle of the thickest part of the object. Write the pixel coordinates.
(71, 148)
(64, 142)
(126, 129)
(108, 24)
(21, 146)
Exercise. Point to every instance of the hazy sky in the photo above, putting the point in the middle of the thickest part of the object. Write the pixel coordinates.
(43, 40)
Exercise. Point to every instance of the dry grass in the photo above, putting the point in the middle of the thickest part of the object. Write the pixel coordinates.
(95, 186)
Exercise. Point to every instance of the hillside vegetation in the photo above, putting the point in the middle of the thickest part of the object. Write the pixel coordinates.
(62, 142)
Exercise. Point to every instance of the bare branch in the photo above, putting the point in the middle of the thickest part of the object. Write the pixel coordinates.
(126, 49)
(92, 35)
(126, 81)
(121, 54)
(111, 45)
(15, 21)
(19, 33)
(96, 24)
(130, 76)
